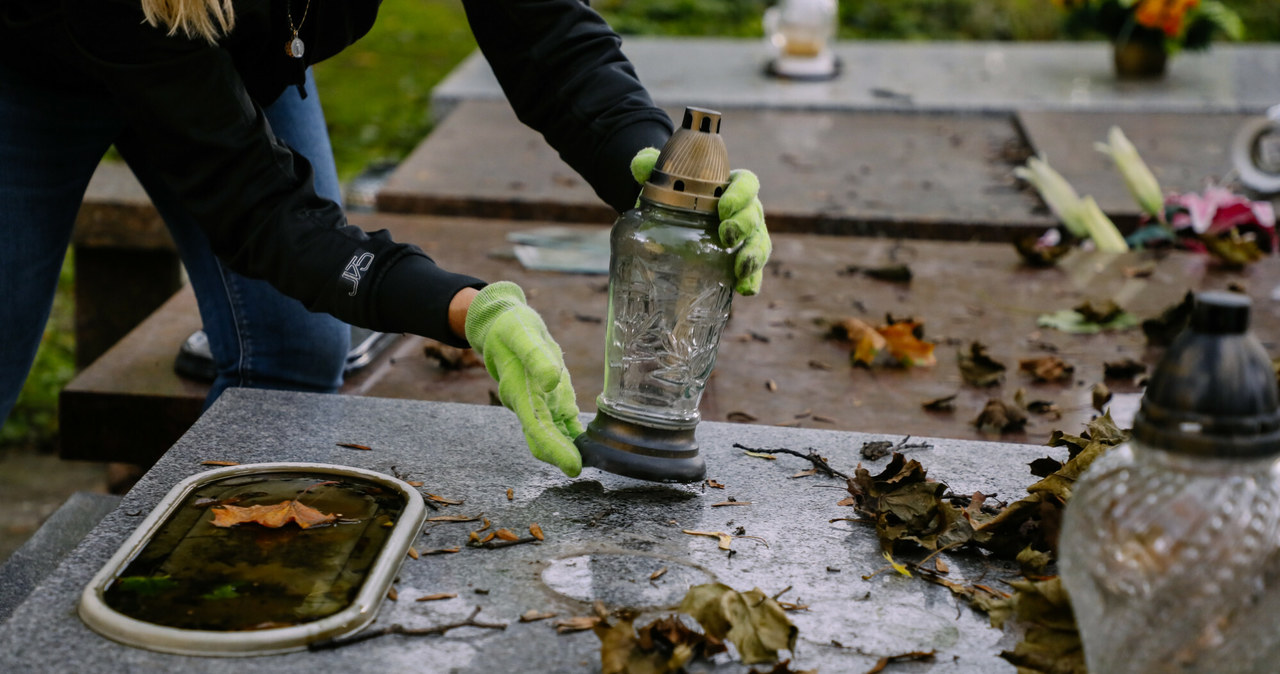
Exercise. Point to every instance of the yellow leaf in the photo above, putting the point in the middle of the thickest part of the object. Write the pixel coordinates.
(896, 566)
(271, 516)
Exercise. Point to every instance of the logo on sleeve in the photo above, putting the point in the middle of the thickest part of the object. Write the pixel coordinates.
(358, 265)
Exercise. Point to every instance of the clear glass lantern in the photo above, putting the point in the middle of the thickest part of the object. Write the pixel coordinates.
(1170, 544)
(670, 288)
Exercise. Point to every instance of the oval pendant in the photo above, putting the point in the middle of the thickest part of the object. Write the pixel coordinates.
(295, 48)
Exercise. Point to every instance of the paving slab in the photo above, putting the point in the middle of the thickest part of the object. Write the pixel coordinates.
(937, 76)
(1184, 150)
(605, 537)
(961, 291)
(920, 175)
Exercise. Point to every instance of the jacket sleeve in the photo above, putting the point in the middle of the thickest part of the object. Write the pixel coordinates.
(562, 68)
(188, 115)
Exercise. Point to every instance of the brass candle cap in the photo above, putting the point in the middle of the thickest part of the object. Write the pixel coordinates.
(693, 168)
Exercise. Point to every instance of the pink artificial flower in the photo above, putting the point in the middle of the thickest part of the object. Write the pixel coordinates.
(1218, 210)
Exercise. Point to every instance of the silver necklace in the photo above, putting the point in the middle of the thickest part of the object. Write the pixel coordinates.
(294, 47)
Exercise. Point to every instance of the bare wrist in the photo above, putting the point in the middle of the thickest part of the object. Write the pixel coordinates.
(458, 307)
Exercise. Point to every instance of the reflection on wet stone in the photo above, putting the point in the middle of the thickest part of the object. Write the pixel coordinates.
(623, 580)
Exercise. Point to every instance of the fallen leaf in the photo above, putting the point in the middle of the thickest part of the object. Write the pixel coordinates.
(1075, 322)
(664, 646)
(272, 516)
(944, 404)
(534, 615)
(762, 455)
(713, 484)
(392, 594)
(977, 368)
(219, 463)
(413, 552)
(443, 500)
(456, 518)
(511, 494)
(1000, 416)
(740, 417)
(451, 357)
(441, 551)
(805, 473)
(352, 445)
(438, 596)
(1123, 369)
(1161, 330)
(730, 503)
(902, 339)
(1101, 395)
(1046, 368)
(658, 574)
(885, 661)
(414, 483)
(536, 531)
(506, 535)
(576, 624)
(726, 540)
(902, 570)
(770, 385)
(752, 621)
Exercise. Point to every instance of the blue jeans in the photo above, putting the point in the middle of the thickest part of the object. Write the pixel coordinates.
(52, 136)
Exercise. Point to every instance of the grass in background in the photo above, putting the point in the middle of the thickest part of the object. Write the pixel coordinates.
(376, 93)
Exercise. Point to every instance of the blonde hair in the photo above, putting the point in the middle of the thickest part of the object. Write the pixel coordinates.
(209, 19)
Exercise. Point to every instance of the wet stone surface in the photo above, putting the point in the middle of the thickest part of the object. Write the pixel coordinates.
(605, 539)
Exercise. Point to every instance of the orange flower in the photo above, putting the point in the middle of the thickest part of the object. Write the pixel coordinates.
(1165, 15)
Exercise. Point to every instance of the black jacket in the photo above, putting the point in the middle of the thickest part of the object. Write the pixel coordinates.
(194, 111)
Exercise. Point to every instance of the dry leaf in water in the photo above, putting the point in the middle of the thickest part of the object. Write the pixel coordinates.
(272, 516)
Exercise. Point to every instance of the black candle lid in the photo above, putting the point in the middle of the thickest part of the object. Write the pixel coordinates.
(1214, 393)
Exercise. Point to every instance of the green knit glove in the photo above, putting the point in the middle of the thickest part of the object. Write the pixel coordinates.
(741, 221)
(529, 368)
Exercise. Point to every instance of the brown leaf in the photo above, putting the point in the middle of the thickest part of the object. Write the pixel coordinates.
(901, 657)
(392, 594)
(451, 357)
(1046, 368)
(658, 574)
(455, 518)
(437, 596)
(536, 531)
(740, 417)
(219, 463)
(979, 369)
(511, 494)
(805, 473)
(753, 621)
(1101, 396)
(414, 483)
(726, 540)
(944, 404)
(576, 624)
(506, 535)
(1123, 369)
(272, 516)
(441, 499)
(713, 484)
(904, 344)
(352, 445)
(534, 615)
(730, 503)
(441, 551)
(662, 647)
(413, 552)
(1000, 416)
(770, 385)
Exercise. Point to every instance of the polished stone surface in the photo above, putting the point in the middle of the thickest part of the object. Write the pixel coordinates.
(605, 537)
(933, 76)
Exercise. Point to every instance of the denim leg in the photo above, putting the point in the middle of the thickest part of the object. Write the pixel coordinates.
(51, 138)
(260, 338)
